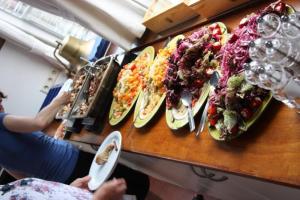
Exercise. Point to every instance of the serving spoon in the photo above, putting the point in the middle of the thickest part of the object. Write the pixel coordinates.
(186, 99)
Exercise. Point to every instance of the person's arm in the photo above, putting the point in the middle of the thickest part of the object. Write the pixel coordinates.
(22, 124)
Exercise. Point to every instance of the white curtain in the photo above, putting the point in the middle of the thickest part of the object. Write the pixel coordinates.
(119, 21)
(29, 38)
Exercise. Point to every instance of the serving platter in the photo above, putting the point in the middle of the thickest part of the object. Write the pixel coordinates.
(153, 94)
(216, 134)
(239, 118)
(128, 87)
(176, 115)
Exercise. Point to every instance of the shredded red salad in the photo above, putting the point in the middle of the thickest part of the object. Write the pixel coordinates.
(235, 52)
(234, 101)
(192, 63)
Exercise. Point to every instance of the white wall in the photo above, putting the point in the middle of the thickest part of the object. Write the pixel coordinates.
(22, 76)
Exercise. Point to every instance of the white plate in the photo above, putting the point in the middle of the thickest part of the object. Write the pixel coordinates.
(100, 173)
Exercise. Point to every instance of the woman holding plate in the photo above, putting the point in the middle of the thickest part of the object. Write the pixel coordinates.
(25, 151)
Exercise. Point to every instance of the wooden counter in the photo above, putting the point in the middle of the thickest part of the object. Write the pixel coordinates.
(270, 150)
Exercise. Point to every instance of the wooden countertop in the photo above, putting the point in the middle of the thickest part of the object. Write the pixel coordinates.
(269, 150)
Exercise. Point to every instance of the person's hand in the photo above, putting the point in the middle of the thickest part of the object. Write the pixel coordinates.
(111, 190)
(62, 98)
(81, 182)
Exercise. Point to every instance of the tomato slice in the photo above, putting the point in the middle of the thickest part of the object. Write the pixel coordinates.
(216, 46)
(213, 121)
(246, 113)
(212, 110)
(280, 7)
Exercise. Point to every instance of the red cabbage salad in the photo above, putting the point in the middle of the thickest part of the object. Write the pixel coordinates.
(234, 101)
(192, 63)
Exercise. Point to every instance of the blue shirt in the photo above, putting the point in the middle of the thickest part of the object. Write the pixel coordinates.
(36, 154)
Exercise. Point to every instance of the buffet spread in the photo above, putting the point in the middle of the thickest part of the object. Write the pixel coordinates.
(270, 149)
(185, 65)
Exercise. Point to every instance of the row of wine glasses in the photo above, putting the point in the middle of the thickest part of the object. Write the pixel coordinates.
(272, 25)
(279, 51)
(275, 57)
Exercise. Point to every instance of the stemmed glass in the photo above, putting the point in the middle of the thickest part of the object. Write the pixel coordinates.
(289, 27)
(275, 57)
(281, 51)
(257, 50)
(264, 75)
(268, 25)
(251, 73)
(273, 77)
(295, 18)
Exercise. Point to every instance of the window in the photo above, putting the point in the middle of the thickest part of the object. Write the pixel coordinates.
(50, 23)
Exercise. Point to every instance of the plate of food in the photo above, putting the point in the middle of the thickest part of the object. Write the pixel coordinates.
(235, 104)
(153, 91)
(129, 85)
(233, 109)
(105, 160)
(190, 68)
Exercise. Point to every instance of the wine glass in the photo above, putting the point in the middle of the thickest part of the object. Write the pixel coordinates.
(268, 25)
(289, 28)
(295, 18)
(279, 50)
(257, 50)
(281, 83)
(289, 95)
(250, 74)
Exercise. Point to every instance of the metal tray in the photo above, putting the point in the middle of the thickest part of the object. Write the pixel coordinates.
(105, 82)
(76, 91)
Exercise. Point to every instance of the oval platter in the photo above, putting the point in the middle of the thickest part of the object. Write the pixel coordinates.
(177, 117)
(141, 118)
(113, 119)
(216, 134)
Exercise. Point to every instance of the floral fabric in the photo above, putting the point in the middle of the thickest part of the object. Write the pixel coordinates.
(37, 189)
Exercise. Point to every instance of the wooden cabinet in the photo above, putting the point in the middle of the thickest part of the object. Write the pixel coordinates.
(202, 180)
(163, 14)
(209, 182)
(207, 9)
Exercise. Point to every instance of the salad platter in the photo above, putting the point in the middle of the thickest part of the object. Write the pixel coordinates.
(129, 85)
(190, 68)
(239, 106)
(153, 93)
(235, 104)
